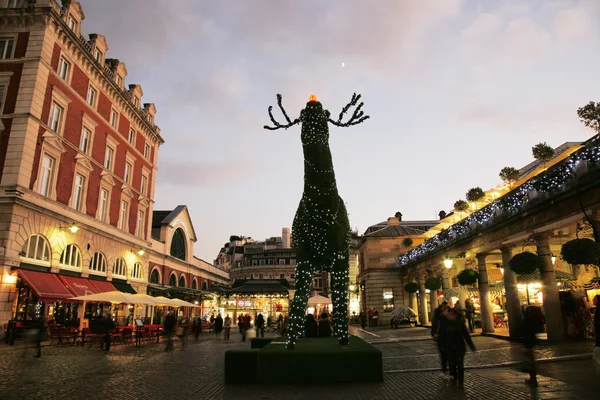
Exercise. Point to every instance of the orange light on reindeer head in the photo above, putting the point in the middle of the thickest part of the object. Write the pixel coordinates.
(312, 98)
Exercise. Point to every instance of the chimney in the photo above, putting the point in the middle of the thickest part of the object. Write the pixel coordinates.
(286, 238)
(442, 214)
(393, 221)
(398, 216)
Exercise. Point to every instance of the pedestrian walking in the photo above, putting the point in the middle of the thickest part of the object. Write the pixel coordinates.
(107, 326)
(532, 324)
(453, 336)
(227, 326)
(370, 317)
(170, 322)
(241, 323)
(375, 317)
(218, 326)
(260, 325)
(470, 314)
(284, 325)
(437, 325)
(182, 332)
(197, 327)
(246, 322)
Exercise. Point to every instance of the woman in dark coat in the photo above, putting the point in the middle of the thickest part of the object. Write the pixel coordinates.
(452, 335)
(218, 326)
(324, 326)
(310, 326)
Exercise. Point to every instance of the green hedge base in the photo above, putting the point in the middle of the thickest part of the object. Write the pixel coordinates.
(259, 343)
(313, 360)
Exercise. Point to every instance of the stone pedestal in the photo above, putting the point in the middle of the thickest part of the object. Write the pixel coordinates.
(423, 316)
(513, 303)
(554, 319)
(487, 316)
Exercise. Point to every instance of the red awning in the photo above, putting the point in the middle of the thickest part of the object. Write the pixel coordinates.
(78, 286)
(46, 286)
(103, 286)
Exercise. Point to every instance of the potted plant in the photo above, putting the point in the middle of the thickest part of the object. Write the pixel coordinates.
(581, 251)
(461, 205)
(433, 283)
(411, 287)
(475, 194)
(542, 152)
(467, 277)
(509, 175)
(525, 263)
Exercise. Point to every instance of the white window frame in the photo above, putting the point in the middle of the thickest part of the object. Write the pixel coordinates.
(103, 263)
(53, 147)
(114, 118)
(98, 56)
(94, 101)
(120, 265)
(73, 23)
(144, 184)
(56, 117)
(131, 137)
(128, 172)
(124, 208)
(103, 213)
(83, 167)
(140, 223)
(89, 124)
(63, 101)
(78, 197)
(109, 164)
(46, 249)
(60, 71)
(8, 55)
(119, 81)
(136, 271)
(75, 257)
(86, 137)
(147, 150)
(46, 178)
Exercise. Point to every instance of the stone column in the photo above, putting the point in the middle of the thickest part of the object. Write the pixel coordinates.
(513, 303)
(554, 319)
(446, 284)
(487, 316)
(433, 303)
(422, 303)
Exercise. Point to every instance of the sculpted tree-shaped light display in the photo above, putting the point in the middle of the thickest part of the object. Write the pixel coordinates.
(321, 230)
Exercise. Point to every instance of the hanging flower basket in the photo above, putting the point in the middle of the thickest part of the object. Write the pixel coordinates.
(467, 277)
(411, 287)
(581, 251)
(525, 263)
(433, 283)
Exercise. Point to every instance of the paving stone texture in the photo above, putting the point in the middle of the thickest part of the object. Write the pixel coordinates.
(149, 373)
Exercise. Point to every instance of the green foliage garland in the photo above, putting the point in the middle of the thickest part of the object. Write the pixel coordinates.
(542, 152)
(590, 115)
(407, 242)
(461, 205)
(321, 230)
(475, 194)
(509, 174)
(433, 283)
(581, 251)
(467, 277)
(525, 263)
(411, 287)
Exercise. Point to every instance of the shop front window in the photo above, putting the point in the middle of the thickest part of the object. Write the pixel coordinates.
(388, 299)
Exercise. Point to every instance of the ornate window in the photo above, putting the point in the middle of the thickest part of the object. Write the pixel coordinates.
(71, 256)
(172, 280)
(182, 281)
(155, 276)
(98, 262)
(36, 248)
(120, 267)
(137, 271)
(178, 244)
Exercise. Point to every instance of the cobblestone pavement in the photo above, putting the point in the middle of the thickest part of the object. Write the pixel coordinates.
(149, 373)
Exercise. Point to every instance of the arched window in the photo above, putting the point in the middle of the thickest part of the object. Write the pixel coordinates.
(98, 262)
(155, 276)
(194, 284)
(137, 271)
(36, 248)
(172, 280)
(204, 287)
(178, 244)
(182, 281)
(120, 267)
(71, 256)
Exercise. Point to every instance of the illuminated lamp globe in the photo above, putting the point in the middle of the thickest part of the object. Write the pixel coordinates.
(312, 97)
(448, 263)
(352, 288)
(74, 228)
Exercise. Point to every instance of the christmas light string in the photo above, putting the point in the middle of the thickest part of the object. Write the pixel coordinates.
(553, 179)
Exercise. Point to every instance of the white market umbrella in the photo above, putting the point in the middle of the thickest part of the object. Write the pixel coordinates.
(184, 303)
(163, 301)
(109, 297)
(146, 299)
(318, 299)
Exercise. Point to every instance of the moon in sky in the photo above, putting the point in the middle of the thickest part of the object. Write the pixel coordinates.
(343, 65)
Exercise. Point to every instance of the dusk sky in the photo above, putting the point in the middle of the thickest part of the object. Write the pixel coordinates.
(456, 90)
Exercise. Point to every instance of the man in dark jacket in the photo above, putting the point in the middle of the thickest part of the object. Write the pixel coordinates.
(436, 326)
(170, 322)
(260, 325)
(324, 326)
(107, 327)
(310, 326)
(453, 336)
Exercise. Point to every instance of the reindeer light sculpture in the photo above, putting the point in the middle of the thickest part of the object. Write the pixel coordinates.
(320, 231)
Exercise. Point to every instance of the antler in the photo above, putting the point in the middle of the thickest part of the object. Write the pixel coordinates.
(357, 117)
(277, 124)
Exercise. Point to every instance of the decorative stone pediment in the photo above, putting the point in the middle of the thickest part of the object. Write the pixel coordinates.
(107, 178)
(127, 192)
(144, 202)
(50, 139)
(84, 162)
